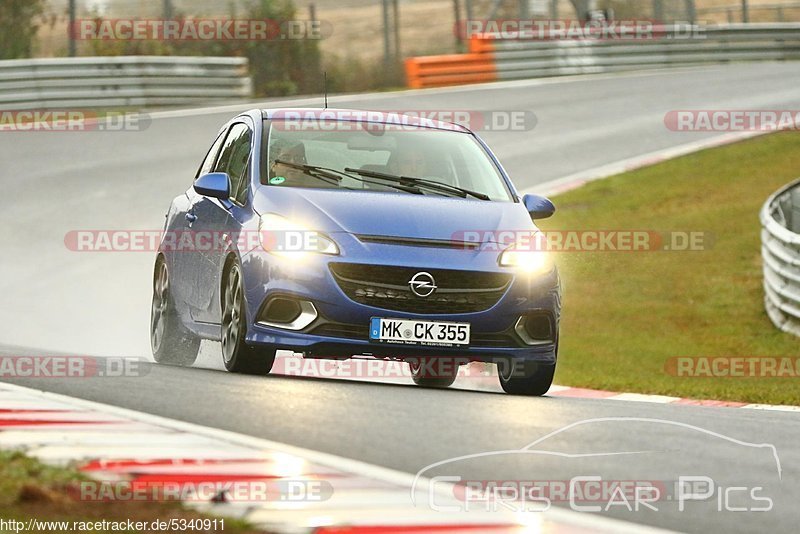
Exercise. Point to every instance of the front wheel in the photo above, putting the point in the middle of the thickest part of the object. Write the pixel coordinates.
(170, 341)
(237, 356)
(433, 372)
(521, 377)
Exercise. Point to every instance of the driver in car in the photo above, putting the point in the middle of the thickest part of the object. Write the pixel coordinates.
(417, 162)
(409, 161)
(290, 154)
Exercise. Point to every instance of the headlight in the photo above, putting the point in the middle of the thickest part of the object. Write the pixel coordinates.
(530, 261)
(284, 237)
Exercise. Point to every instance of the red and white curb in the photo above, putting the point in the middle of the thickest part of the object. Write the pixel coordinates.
(563, 391)
(114, 444)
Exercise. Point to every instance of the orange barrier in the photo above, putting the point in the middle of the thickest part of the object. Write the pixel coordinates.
(476, 66)
(481, 44)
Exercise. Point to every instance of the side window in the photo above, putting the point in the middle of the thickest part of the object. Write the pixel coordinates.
(211, 157)
(234, 159)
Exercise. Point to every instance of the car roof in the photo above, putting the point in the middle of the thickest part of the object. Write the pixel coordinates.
(360, 115)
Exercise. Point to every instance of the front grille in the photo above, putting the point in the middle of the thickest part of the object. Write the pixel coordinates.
(387, 287)
(356, 331)
(412, 242)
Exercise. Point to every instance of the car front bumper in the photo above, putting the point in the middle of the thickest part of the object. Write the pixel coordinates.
(340, 327)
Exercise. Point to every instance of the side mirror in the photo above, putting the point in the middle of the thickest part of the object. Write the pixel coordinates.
(214, 185)
(538, 207)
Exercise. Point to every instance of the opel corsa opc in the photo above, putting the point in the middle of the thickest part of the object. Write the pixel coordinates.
(340, 234)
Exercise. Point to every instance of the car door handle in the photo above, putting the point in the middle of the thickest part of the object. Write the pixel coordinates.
(191, 217)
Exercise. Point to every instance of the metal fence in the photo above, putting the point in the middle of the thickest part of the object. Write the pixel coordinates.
(748, 12)
(780, 252)
(498, 59)
(122, 81)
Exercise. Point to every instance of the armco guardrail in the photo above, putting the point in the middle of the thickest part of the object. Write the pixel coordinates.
(491, 59)
(780, 252)
(734, 10)
(121, 81)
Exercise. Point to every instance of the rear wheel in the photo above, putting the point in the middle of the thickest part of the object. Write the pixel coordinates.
(433, 372)
(170, 341)
(237, 356)
(522, 377)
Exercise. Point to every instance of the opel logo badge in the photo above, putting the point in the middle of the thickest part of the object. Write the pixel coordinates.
(422, 284)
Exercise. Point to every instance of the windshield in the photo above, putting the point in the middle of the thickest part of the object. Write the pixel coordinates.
(453, 158)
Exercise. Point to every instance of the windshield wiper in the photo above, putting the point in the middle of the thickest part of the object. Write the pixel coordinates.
(424, 182)
(320, 173)
(326, 173)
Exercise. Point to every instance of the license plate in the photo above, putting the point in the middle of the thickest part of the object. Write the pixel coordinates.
(406, 332)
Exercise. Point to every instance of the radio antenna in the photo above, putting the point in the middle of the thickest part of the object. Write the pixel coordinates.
(325, 87)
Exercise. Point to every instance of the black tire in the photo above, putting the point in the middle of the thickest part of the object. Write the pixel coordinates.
(521, 377)
(170, 341)
(433, 373)
(238, 356)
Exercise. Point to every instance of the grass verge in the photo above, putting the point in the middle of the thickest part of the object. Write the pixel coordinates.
(627, 313)
(31, 489)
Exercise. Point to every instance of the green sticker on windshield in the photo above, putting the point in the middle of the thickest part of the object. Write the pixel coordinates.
(277, 180)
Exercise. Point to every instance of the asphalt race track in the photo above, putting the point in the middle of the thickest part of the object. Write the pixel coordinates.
(60, 301)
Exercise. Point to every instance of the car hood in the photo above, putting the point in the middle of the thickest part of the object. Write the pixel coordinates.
(393, 214)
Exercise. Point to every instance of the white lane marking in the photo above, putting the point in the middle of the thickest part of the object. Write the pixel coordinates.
(665, 399)
(773, 407)
(239, 445)
(639, 397)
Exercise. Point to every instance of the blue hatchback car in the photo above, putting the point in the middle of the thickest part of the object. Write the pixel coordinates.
(341, 233)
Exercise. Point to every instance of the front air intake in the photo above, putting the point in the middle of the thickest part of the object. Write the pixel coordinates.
(280, 310)
(286, 312)
(536, 328)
